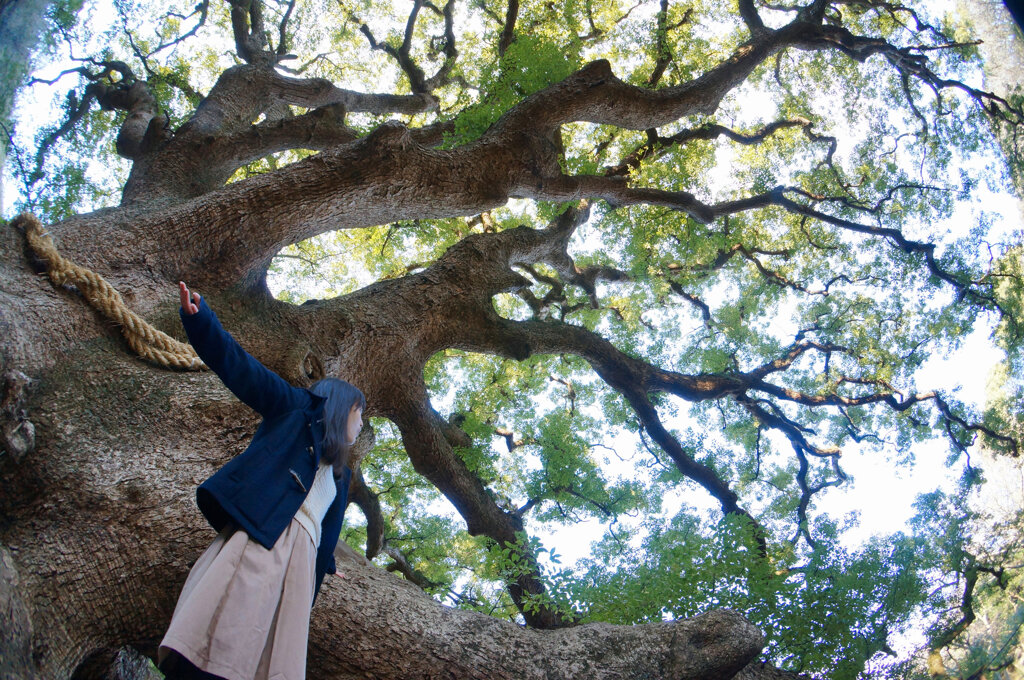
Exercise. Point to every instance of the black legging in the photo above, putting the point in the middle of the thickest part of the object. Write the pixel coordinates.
(177, 667)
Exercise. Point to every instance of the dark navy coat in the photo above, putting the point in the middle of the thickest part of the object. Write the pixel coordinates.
(262, 488)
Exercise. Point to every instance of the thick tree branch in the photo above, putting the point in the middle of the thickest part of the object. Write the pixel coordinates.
(222, 128)
(708, 131)
(321, 128)
(249, 32)
(509, 27)
(617, 192)
(635, 378)
(316, 92)
(595, 95)
(418, 81)
(282, 31)
(530, 159)
(390, 175)
(136, 135)
(450, 52)
(369, 503)
(529, 162)
(748, 12)
(432, 456)
(714, 645)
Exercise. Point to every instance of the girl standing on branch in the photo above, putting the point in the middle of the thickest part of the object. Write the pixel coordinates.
(243, 613)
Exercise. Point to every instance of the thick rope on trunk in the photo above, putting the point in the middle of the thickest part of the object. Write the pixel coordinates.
(148, 342)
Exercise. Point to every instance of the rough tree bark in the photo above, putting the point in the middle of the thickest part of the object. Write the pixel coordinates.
(103, 452)
(100, 525)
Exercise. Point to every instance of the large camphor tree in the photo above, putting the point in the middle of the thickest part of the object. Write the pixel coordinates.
(654, 265)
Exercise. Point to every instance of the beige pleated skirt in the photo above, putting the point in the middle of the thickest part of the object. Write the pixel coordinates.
(243, 613)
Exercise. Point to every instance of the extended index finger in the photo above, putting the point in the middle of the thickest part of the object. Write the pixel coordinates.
(183, 292)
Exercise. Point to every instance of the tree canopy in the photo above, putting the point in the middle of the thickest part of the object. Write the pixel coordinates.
(714, 244)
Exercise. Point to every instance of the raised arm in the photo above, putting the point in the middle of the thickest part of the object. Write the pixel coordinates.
(257, 386)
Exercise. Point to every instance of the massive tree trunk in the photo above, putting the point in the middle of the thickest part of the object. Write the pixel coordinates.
(100, 526)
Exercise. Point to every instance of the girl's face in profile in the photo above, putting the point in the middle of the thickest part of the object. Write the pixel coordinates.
(354, 424)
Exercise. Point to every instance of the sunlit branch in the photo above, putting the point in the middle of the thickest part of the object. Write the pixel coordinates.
(656, 143)
(202, 9)
(249, 33)
(321, 128)
(702, 307)
(314, 92)
(450, 52)
(795, 351)
(282, 40)
(418, 80)
(596, 33)
(369, 503)
(617, 192)
(775, 419)
(425, 436)
(510, 438)
(571, 392)
(509, 27)
(299, 70)
(748, 12)
(402, 565)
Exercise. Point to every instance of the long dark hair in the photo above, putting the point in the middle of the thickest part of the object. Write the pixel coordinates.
(341, 397)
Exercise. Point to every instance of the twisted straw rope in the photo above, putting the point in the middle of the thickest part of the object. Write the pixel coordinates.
(149, 343)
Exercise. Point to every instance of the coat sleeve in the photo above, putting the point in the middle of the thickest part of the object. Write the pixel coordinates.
(253, 383)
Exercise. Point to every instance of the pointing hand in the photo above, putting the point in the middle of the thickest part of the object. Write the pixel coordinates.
(189, 303)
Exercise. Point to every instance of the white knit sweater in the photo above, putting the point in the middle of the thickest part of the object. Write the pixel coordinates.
(318, 500)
